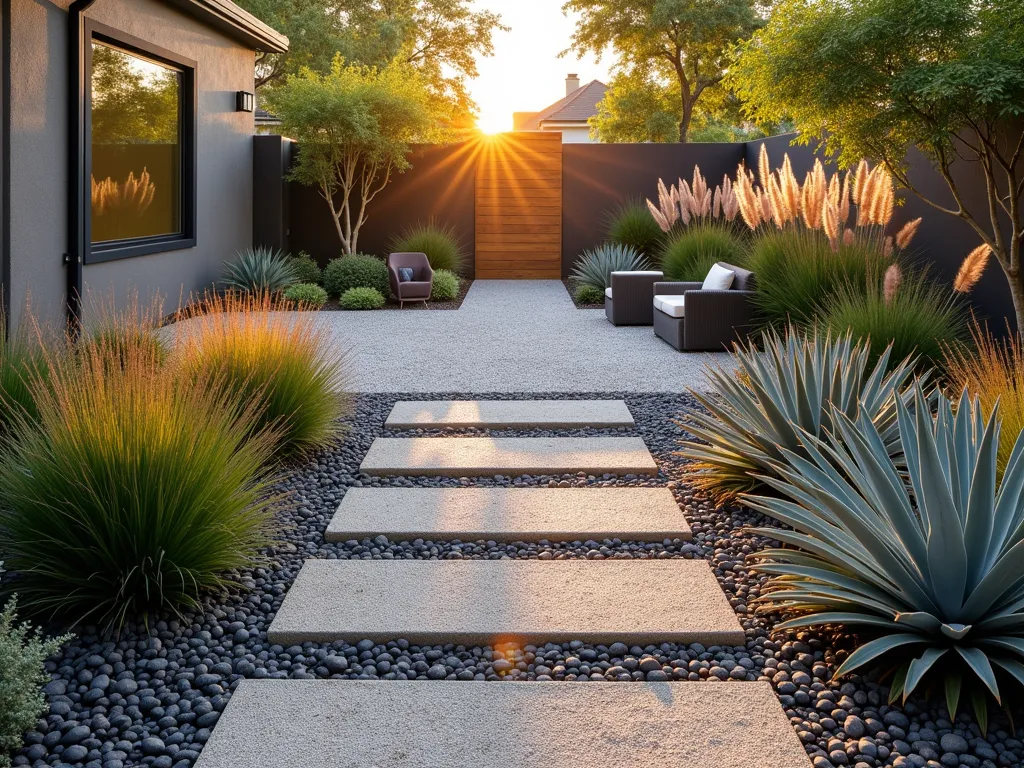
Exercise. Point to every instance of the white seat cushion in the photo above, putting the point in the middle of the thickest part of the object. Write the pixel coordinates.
(718, 279)
(670, 305)
(608, 291)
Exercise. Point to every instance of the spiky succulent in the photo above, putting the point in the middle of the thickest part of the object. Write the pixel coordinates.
(757, 412)
(595, 266)
(926, 556)
(261, 271)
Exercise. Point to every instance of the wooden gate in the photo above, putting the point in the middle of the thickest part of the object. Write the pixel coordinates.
(519, 207)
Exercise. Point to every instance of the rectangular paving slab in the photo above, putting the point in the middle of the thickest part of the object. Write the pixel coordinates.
(483, 601)
(420, 724)
(509, 514)
(475, 456)
(497, 414)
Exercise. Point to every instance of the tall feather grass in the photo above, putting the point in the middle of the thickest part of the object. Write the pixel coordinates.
(26, 354)
(441, 244)
(283, 363)
(137, 492)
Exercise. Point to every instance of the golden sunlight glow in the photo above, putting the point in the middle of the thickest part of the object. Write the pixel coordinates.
(491, 122)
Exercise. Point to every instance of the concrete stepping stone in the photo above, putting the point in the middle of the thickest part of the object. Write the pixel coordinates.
(477, 456)
(483, 601)
(417, 724)
(498, 414)
(509, 514)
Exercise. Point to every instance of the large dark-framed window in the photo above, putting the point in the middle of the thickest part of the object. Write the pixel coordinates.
(140, 146)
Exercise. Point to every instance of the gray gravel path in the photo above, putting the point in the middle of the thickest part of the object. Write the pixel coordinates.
(511, 336)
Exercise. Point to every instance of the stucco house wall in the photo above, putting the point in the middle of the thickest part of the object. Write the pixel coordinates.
(39, 172)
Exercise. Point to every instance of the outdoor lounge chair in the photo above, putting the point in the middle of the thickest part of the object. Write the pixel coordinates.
(627, 301)
(416, 289)
(691, 317)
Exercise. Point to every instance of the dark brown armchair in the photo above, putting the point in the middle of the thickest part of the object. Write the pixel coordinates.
(417, 289)
(690, 317)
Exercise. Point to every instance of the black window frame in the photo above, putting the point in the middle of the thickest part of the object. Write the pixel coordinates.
(140, 246)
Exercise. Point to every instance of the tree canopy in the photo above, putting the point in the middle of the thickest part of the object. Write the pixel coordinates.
(354, 126)
(870, 78)
(683, 42)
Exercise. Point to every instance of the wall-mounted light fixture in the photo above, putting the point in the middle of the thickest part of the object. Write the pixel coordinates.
(244, 101)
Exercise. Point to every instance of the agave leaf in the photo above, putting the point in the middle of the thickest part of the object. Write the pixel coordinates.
(978, 661)
(1015, 668)
(1002, 577)
(1009, 506)
(922, 620)
(899, 680)
(825, 576)
(875, 648)
(980, 706)
(980, 493)
(919, 668)
(1006, 642)
(835, 617)
(952, 686)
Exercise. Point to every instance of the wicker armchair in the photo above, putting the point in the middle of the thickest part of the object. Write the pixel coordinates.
(417, 289)
(628, 300)
(690, 318)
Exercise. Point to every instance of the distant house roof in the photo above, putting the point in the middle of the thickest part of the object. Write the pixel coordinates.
(236, 23)
(578, 107)
(265, 118)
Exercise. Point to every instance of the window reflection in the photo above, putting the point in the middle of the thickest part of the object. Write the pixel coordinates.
(136, 146)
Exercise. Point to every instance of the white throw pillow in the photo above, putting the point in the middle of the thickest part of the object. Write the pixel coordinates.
(718, 279)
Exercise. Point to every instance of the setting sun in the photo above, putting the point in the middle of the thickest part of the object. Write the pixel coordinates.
(491, 122)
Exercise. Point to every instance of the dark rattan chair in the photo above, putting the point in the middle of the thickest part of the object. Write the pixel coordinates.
(705, 320)
(628, 300)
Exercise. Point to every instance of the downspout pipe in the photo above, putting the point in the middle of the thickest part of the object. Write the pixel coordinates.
(75, 255)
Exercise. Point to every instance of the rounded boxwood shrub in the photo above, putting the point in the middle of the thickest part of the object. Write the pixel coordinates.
(306, 295)
(356, 271)
(589, 294)
(361, 298)
(446, 285)
(306, 270)
(139, 491)
(689, 254)
(441, 244)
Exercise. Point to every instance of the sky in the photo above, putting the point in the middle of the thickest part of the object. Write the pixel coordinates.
(525, 74)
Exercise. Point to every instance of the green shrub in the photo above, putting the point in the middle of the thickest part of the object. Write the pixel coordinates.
(284, 365)
(920, 318)
(259, 271)
(361, 298)
(588, 294)
(632, 224)
(923, 556)
(595, 266)
(441, 244)
(752, 422)
(797, 270)
(306, 270)
(139, 491)
(22, 653)
(356, 271)
(689, 254)
(446, 285)
(306, 295)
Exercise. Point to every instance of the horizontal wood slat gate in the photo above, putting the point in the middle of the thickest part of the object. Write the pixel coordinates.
(519, 207)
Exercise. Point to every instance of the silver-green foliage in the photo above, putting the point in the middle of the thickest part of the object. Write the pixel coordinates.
(22, 652)
(260, 271)
(756, 413)
(927, 554)
(595, 266)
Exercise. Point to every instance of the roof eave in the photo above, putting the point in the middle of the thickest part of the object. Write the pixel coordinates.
(237, 23)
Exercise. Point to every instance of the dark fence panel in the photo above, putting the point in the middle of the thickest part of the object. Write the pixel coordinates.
(598, 177)
(440, 185)
(271, 156)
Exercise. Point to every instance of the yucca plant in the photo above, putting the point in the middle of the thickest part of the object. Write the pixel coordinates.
(137, 492)
(754, 418)
(632, 224)
(595, 266)
(926, 555)
(259, 271)
(441, 244)
(284, 364)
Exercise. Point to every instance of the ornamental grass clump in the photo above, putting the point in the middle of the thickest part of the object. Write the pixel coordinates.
(993, 371)
(922, 556)
(283, 364)
(356, 271)
(441, 244)
(788, 386)
(595, 266)
(138, 491)
(690, 253)
(259, 271)
(632, 224)
(26, 355)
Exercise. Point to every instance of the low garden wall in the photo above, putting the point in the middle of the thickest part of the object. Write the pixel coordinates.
(440, 185)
